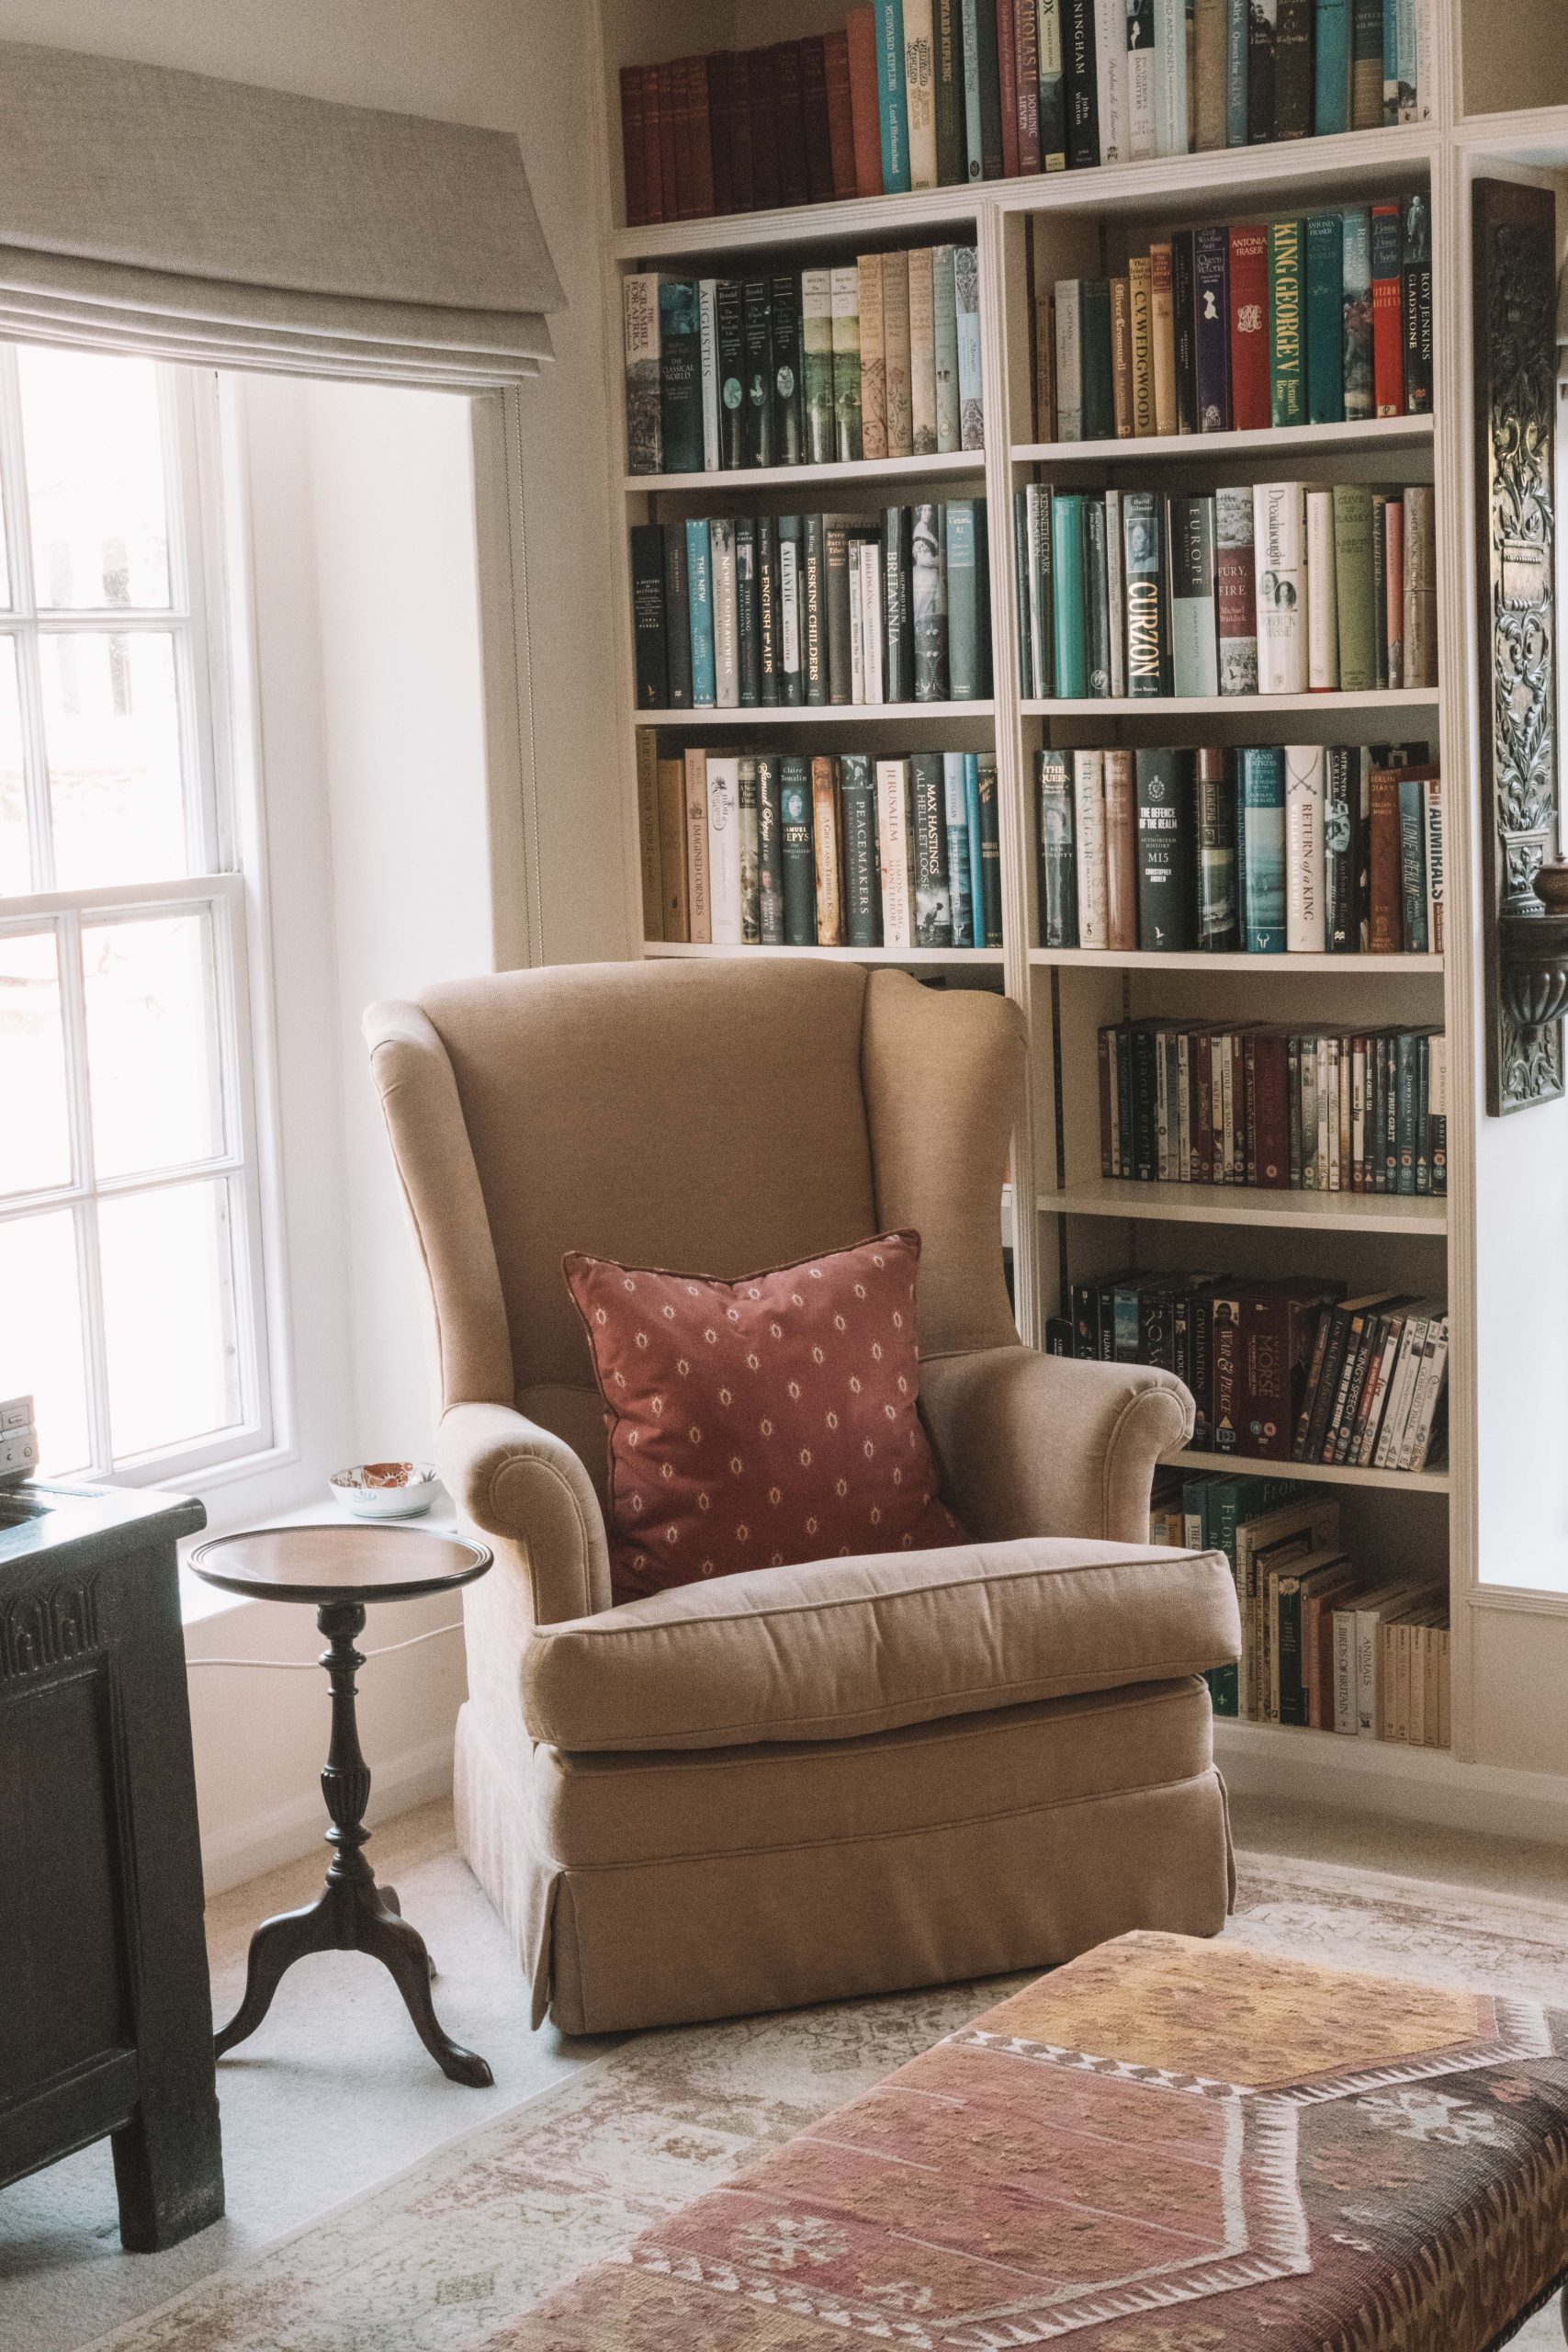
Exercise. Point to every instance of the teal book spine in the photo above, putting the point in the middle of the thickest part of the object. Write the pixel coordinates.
(955, 809)
(1097, 598)
(796, 840)
(988, 904)
(1262, 814)
(1325, 318)
(1331, 68)
(680, 376)
(1390, 62)
(892, 105)
(1286, 324)
(965, 647)
(1094, 327)
(699, 594)
(862, 880)
(1237, 21)
(1068, 603)
(972, 818)
(1413, 861)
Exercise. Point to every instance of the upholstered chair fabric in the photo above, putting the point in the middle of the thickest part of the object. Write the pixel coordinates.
(720, 1118)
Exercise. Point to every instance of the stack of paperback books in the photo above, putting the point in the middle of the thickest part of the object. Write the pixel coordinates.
(1321, 321)
(753, 611)
(928, 93)
(1282, 1370)
(1293, 849)
(769, 849)
(874, 358)
(1299, 1110)
(1325, 1645)
(1279, 589)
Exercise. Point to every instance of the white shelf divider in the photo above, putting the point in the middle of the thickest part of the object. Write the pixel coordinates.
(1150, 960)
(1233, 706)
(1252, 1204)
(682, 950)
(820, 714)
(1236, 1465)
(1370, 433)
(947, 465)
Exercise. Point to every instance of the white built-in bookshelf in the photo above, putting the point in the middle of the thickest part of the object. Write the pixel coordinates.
(1028, 232)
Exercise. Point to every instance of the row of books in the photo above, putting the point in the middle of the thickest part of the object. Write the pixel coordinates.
(1281, 1371)
(1282, 1110)
(1325, 1645)
(913, 94)
(769, 849)
(1276, 589)
(878, 357)
(753, 611)
(1320, 320)
(1270, 850)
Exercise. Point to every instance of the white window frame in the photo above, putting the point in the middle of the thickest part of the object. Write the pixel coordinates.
(197, 619)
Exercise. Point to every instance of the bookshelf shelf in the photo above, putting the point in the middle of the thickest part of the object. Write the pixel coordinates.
(952, 465)
(822, 714)
(1389, 432)
(1235, 706)
(1404, 1482)
(898, 955)
(1143, 959)
(1246, 1205)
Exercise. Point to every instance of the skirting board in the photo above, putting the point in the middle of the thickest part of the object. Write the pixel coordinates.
(1376, 1777)
(281, 1835)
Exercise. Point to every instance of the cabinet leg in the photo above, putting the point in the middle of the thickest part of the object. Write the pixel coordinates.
(168, 2174)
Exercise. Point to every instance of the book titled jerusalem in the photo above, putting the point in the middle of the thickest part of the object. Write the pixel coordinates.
(893, 852)
(640, 303)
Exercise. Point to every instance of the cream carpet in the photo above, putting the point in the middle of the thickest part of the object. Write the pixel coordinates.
(406, 2215)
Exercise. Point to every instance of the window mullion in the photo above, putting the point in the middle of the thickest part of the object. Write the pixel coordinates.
(67, 935)
(30, 683)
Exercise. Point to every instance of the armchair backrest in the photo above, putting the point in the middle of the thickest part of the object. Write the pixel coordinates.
(711, 1116)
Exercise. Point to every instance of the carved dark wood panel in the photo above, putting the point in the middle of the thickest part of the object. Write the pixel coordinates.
(1514, 232)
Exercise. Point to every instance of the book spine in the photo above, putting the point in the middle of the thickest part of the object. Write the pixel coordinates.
(892, 853)
(1432, 792)
(1385, 936)
(990, 841)
(1008, 13)
(1209, 73)
(947, 73)
(1331, 77)
(826, 859)
(1111, 78)
(1262, 25)
(698, 879)
(1167, 853)
(966, 682)
(1194, 644)
(1413, 861)
(899, 664)
(1235, 591)
(1355, 230)
(707, 324)
(1287, 370)
(788, 422)
(651, 868)
(1140, 79)
(1096, 581)
(1262, 820)
(1057, 849)
(1420, 650)
(1359, 619)
(860, 31)
(919, 91)
(929, 600)
(1068, 308)
(1340, 860)
(896, 353)
(956, 821)
(1172, 128)
(723, 848)
(750, 869)
(815, 648)
(844, 297)
(1293, 70)
(748, 611)
(836, 608)
(922, 352)
(639, 310)
(1417, 291)
(649, 635)
(791, 630)
(730, 358)
(1237, 71)
(1071, 634)
(840, 112)
(933, 900)
(797, 850)
(892, 107)
(816, 340)
(1080, 70)
(673, 850)
(1279, 530)
(1089, 843)
(1306, 932)
(1121, 850)
(862, 885)
(1325, 319)
(726, 622)
(944, 336)
(1211, 267)
(1183, 299)
(1388, 310)
(976, 848)
(1322, 612)
(1052, 102)
(1366, 64)
(966, 305)
(1218, 929)
(1162, 337)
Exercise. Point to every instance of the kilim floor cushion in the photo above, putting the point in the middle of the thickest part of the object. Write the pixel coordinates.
(1166, 2146)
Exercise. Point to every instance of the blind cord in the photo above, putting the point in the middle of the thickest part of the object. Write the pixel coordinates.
(312, 1666)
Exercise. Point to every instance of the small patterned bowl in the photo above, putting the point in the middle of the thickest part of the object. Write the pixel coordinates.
(385, 1489)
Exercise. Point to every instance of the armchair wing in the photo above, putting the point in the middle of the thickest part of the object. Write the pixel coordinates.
(1033, 1444)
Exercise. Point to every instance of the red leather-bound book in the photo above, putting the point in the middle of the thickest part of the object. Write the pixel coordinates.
(814, 107)
(1250, 408)
(634, 145)
(794, 185)
(677, 83)
(1388, 311)
(841, 111)
(741, 174)
(701, 138)
(721, 66)
(1267, 1054)
(859, 27)
(1007, 58)
(669, 110)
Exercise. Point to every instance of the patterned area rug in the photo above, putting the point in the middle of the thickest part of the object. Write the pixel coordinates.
(444, 2258)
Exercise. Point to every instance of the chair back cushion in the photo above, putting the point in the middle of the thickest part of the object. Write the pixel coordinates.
(764, 1421)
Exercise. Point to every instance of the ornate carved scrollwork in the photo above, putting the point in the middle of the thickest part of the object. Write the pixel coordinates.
(1516, 405)
(41, 1630)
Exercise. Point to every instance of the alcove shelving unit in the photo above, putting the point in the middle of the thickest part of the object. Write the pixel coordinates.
(1028, 232)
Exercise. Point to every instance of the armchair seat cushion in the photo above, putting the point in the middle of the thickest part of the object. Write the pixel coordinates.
(834, 1649)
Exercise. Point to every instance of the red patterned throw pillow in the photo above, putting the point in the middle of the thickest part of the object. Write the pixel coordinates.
(759, 1422)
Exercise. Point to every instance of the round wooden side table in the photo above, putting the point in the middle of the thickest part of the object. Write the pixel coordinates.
(339, 1570)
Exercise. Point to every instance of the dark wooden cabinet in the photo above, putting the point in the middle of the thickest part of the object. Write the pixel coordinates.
(106, 2016)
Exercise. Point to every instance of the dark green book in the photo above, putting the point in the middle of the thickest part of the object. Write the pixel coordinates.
(1405, 1089)
(770, 665)
(680, 376)
(748, 614)
(1167, 878)
(1325, 317)
(1287, 332)
(1097, 596)
(1020, 590)
(1058, 882)
(814, 610)
(857, 824)
(677, 620)
(985, 18)
(966, 589)
(1069, 556)
(897, 619)
(927, 822)
(1098, 382)
(947, 73)
(1293, 70)
(789, 392)
(769, 849)
(791, 586)
(731, 375)
(757, 351)
(1147, 590)
(990, 851)
(649, 633)
(796, 851)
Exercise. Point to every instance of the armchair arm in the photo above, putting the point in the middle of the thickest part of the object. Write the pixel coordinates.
(525, 1485)
(1033, 1444)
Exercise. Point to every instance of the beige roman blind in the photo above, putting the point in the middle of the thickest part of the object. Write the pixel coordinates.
(162, 212)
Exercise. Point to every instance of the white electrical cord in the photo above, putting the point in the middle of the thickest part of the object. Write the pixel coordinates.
(312, 1666)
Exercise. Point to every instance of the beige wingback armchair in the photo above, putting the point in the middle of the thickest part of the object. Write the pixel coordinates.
(794, 1783)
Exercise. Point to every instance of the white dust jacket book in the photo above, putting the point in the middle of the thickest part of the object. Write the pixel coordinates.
(892, 853)
(1170, 77)
(1111, 78)
(726, 615)
(1279, 522)
(1306, 925)
(724, 847)
(1322, 599)
(1069, 359)
(857, 625)
(920, 92)
(1141, 81)
(1089, 825)
(707, 322)
(870, 567)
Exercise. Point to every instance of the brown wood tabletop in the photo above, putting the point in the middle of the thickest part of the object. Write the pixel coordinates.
(339, 1562)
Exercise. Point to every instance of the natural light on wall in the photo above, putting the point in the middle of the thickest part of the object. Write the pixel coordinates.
(128, 1255)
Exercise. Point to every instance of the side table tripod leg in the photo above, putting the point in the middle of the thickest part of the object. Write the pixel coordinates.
(276, 1944)
(401, 1950)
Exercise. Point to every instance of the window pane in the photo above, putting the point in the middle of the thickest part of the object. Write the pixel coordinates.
(153, 1043)
(95, 471)
(35, 1128)
(15, 870)
(112, 729)
(40, 1334)
(168, 1278)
